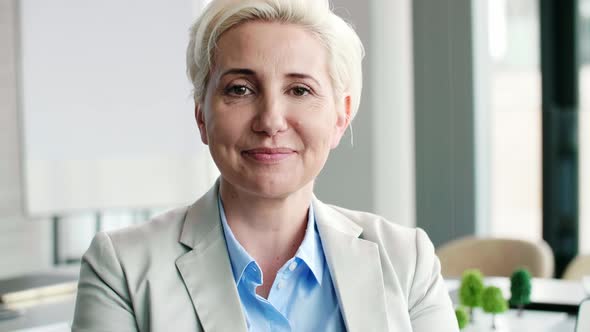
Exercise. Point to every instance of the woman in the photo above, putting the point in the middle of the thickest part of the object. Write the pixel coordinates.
(276, 84)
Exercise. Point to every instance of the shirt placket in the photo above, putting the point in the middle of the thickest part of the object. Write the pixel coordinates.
(275, 320)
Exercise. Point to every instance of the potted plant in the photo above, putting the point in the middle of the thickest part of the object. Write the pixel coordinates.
(462, 317)
(493, 302)
(520, 289)
(471, 290)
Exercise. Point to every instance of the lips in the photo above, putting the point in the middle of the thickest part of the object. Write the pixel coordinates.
(268, 155)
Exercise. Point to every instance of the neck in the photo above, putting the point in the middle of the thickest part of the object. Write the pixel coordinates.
(268, 228)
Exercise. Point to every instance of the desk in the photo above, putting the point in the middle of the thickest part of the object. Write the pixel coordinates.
(531, 320)
(547, 293)
(52, 315)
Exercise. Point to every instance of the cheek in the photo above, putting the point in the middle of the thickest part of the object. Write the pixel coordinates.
(316, 133)
(222, 133)
(226, 126)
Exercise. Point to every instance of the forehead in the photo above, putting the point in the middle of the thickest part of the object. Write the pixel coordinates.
(271, 46)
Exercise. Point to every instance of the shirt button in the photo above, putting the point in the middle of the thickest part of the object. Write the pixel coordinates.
(293, 266)
(280, 284)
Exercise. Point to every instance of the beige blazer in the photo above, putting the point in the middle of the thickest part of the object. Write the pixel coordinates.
(173, 274)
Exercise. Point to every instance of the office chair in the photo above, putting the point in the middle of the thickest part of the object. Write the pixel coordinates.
(577, 268)
(495, 257)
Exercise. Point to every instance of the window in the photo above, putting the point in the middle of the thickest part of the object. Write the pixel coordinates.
(515, 106)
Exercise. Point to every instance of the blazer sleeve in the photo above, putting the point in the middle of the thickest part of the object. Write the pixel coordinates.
(429, 304)
(103, 301)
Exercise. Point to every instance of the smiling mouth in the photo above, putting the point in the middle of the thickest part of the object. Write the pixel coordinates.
(268, 155)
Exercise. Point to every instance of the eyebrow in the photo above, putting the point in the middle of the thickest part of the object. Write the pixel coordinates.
(239, 71)
(305, 76)
(250, 72)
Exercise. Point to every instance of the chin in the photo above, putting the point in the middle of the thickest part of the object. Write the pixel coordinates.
(271, 186)
(274, 188)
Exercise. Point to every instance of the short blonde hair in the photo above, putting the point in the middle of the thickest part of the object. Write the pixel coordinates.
(344, 47)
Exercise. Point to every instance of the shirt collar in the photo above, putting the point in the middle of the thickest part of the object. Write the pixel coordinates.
(310, 251)
(238, 256)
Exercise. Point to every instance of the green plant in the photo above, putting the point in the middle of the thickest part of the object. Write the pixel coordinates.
(471, 290)
(493, 302)
(462, 317)
(520, 289)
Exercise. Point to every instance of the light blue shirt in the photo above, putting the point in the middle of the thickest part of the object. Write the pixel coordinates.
(302, 297)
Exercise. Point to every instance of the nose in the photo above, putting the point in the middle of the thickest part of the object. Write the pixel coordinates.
(270, 117)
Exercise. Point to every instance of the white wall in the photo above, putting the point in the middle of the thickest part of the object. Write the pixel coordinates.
(24, 244)
(393, 97)
(10, 168)
(107, 111)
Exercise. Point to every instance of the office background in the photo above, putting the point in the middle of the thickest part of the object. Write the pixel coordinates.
(452, 134)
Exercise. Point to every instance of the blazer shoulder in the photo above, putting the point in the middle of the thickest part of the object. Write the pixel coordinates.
(157, 237)
(376, 228)
(407, 250)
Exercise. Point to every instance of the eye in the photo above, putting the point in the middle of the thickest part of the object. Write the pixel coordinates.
(238, 90)
(300, 91)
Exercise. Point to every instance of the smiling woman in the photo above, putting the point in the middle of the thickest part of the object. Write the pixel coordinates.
(276, 84)
(270, 115)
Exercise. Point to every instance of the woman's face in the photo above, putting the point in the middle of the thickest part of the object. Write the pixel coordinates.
(270, 116)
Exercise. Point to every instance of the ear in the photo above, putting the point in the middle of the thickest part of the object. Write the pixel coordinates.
(200, 117)
(342, 121)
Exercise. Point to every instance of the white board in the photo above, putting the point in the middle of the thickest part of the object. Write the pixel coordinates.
(106, 108)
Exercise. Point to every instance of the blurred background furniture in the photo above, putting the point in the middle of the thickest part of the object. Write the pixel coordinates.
(495, 257)
(43, 314)
(578, 268)
(553, 308)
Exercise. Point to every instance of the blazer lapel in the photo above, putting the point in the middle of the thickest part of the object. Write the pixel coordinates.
(355, 268)
(206, 269)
